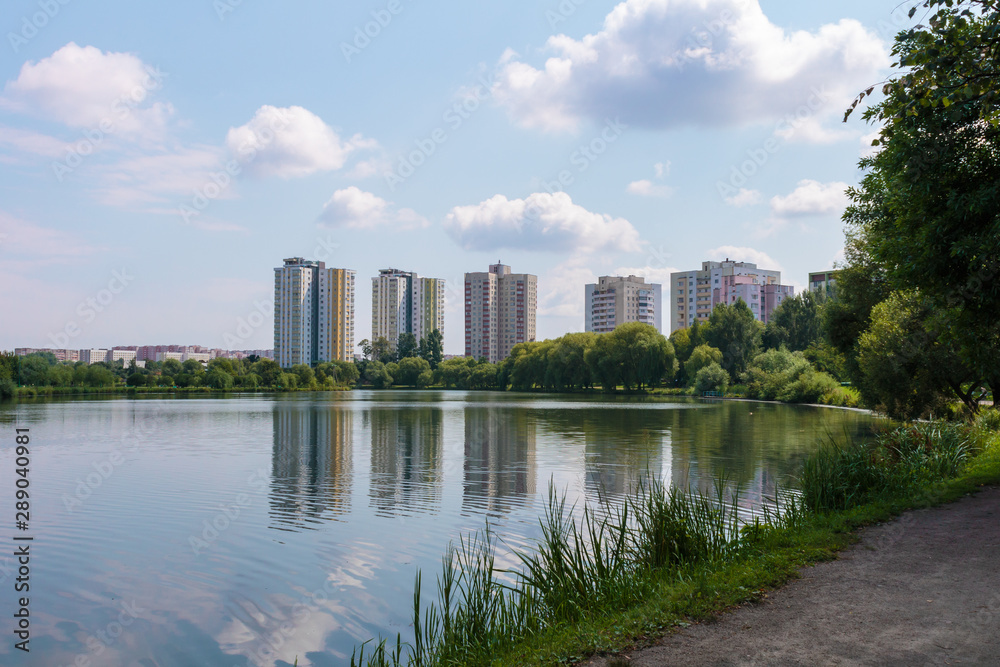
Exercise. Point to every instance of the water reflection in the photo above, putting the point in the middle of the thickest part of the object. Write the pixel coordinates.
(310, 465)
(406, 459)
(499, 466)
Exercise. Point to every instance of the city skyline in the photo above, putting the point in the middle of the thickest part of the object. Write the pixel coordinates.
(129, 164)
(336, 286)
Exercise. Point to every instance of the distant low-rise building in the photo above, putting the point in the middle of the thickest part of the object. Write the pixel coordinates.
(616, 300)
(93, 356)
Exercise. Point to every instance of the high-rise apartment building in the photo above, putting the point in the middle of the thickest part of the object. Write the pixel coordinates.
(824, 282)
(500, 312)
(403, 302)
(694, 294)
(313, 313)
(615, 300)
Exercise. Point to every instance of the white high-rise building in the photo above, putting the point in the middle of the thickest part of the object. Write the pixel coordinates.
(694, 294)
(403, 302)
(313, 313)
(615, 300)
(500, 312)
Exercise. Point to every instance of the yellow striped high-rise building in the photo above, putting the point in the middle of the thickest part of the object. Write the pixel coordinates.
(313, 313)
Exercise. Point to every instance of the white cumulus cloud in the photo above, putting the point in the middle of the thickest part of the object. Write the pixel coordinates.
(646, 188)
(745, 197)
(290, 142)
(664, 63)
(84, 87)
(353, 208)
(541, 221)
(811, 198)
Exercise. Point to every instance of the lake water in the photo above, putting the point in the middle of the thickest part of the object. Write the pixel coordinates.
(251, 531)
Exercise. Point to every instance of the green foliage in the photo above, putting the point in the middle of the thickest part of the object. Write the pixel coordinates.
(406, 346)
(305, 376)
(409, 370)
(377, 375)
(796, 323)
(218, 379)
(700, 357)
(711, 378)
(634, 355)
(453, 373)
(906, 370)
(898, 462)
(734, 330)
(927, 214)
(787, 376)
(611, 560)
(432, 348)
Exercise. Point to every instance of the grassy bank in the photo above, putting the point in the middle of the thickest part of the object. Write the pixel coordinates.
(625, 574)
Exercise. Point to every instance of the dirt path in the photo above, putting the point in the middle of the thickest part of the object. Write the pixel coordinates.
(922, 590)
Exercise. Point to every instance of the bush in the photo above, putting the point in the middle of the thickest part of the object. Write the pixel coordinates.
(7, 388)
(711, 378)
(787, 376)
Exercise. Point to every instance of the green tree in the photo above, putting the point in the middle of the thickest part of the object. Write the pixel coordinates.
(734, 330)
(306, 378)
(217, 378)
(410, 369)
(172, 367)
(377, 375)
(711, 378)
(406, 346)
(432, 348)
(381, 350)
(35, 369)
(452, 373)
(928, 209)
(907, 370)
(796, 323)
(701, 356)
(269, 372)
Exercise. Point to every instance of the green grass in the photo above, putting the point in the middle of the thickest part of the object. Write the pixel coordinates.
(620, 576)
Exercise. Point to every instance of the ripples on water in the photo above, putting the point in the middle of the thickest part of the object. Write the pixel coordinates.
(258, 530)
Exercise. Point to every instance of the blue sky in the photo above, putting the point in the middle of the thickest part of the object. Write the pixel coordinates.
(157, 160)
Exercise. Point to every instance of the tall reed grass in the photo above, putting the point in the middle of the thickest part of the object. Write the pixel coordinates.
(609, 560)
(897, 462)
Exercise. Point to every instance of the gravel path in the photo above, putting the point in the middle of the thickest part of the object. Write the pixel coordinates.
(921, 590)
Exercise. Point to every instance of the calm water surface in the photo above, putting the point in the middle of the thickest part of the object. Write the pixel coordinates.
(251, 531)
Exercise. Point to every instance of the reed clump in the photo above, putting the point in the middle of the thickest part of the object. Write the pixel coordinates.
(896, 463)
(615, 556)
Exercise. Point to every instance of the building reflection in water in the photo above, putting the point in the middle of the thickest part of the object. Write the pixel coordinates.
(407, 456)
(311, 464)
(622, 448)
(499, 466)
